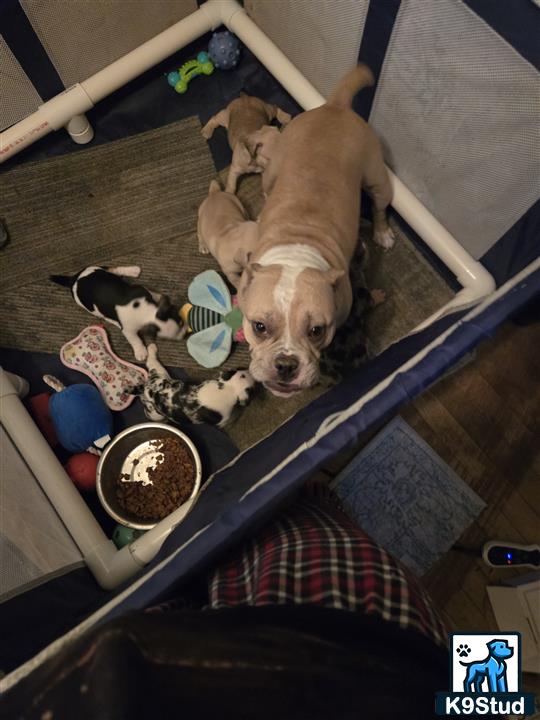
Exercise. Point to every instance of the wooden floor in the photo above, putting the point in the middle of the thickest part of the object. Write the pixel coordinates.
(484, 421)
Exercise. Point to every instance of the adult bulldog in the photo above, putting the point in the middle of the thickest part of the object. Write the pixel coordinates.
(295, 290)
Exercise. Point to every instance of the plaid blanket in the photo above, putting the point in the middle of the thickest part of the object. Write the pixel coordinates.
(313, 553)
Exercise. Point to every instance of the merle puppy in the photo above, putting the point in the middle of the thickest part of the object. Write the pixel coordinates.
(106, 294)
(216, 402)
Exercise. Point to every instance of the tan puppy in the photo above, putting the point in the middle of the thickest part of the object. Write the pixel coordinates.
(295, 289)
(247, 120)
(224, 230)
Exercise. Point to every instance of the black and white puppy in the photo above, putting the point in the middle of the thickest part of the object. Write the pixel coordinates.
(132, 308)
(216, 402)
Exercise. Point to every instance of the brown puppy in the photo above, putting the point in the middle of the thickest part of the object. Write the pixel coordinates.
(247, 120)
(224, 230)
(295, 289)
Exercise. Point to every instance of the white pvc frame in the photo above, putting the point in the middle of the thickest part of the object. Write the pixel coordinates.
(109, 565)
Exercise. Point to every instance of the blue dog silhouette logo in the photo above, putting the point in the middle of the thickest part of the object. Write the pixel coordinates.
(485, 676)
(491, 670)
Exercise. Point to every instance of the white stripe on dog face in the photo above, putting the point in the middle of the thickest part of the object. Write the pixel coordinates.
(284, 292)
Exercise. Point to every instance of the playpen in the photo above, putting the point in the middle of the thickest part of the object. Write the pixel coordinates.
(456, 106)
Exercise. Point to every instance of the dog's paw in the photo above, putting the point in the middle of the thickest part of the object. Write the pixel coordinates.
(384, 238)
(463, 650)
(203, 249)
(284, 118)
(154, 415)
(207, 132)
(132, 271)
(378, 296)
(141, 355)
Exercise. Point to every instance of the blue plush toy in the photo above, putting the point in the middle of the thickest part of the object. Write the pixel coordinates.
(80, 417)
(224, 50)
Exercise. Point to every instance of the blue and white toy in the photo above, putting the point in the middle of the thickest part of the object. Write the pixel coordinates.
(224, 50)
(213, 318)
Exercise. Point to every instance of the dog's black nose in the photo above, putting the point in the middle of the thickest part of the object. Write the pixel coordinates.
(286, 366)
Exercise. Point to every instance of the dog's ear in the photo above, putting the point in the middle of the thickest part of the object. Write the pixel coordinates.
(248, 397)
(163, 308)
(247, 275)
(260, 143)
(334, 276)
(214, 187)
(241, 258)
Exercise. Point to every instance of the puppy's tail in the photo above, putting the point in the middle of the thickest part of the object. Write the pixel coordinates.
(356, 79)
(64, 280)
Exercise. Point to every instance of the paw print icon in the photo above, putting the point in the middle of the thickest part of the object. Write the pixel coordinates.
(463, 650)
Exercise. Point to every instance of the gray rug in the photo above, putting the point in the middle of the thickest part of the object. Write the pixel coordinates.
(132, 201)
(135, 201)
(406, 497)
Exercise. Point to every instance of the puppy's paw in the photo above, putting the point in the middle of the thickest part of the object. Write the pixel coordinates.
(230, 187)
(207, 131)
(284, 118)
(203, 249)
(384, 238)
(151, 351)
(141, 354)
(132, 271)
(154, 415)
(378, 296)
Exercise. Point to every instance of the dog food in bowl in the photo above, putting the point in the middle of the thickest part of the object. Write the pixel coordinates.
(159, 478)
(140, 472)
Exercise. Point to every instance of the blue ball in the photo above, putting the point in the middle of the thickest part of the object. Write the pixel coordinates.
(203, 57)
(224, 50)
(173, 77)
(125, 535)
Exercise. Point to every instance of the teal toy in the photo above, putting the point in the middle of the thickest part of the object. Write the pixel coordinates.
(123, 535)
(179, 79)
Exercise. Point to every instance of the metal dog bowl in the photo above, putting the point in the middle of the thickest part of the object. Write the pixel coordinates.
(131, 453)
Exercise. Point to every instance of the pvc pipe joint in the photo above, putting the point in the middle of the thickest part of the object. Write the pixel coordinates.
(60, 109)
(80, 129)
(221, 12)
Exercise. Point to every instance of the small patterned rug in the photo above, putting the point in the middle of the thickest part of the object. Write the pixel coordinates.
(408, 499)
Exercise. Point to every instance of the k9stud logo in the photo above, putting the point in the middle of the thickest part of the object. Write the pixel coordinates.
(485, 676)
(485, 663)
